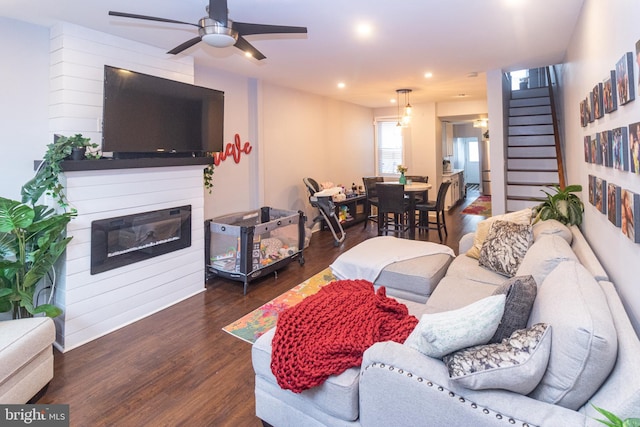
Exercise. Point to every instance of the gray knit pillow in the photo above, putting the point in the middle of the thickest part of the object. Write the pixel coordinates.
(521, 293)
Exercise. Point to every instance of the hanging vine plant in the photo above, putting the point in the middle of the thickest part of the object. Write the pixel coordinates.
(208, 173)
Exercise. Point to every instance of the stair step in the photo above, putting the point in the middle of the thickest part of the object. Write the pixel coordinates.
(531, 151)
(540, 164)
(530, 93)
(518, 205)
(531, 140)
(543, 119)
(532, 177)
(529, 102)
(529, 111)
(531, 130)
(526, 191)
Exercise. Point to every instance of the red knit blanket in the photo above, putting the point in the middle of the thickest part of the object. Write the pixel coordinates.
(328, 332)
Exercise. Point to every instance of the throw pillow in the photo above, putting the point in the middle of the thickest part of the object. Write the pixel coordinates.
(516, 364)
(584, 343)
(520, 217)
(438, 334)
(521, 293)
(505, 247)
(543, 257)
(554, 227)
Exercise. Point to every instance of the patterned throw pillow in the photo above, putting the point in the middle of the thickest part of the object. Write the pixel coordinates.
(516, 364)
(441, 333)
(521, 293)
(505, 247)
(520, 217)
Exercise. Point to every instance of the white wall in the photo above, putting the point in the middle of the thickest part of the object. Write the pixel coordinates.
(24, 84)
(591, 55)
(305, 135)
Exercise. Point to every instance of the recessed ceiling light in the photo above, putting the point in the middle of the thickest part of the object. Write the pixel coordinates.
(248, 55)
(341, 85)
(428, 75)
(472, 74)
(392, 100)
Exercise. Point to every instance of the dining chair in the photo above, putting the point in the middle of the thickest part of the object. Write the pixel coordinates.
(437, 207)
(371, 197)
(393, 209)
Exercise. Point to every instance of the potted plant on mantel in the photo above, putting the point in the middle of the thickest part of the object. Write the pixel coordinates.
(33, 236)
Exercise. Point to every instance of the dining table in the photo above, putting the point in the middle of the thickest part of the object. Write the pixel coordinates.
(411, 190)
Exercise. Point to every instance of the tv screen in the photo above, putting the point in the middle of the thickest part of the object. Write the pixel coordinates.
(145, 115)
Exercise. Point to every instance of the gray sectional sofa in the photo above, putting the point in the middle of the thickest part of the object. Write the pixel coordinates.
(593, 354)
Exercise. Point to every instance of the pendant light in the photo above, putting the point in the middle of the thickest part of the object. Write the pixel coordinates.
(405, 119)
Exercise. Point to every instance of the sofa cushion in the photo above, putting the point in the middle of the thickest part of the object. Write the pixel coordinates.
(414, 278)
(465, 267)
(553, 227)
(337, 396)
(521, 293)
(442, 333)
(455, 292)
(516, 364)
(584, 342)
(505, 247)
(482, 230)
(544, 255)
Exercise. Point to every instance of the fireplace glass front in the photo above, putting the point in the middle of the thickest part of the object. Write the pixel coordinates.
(123, 240)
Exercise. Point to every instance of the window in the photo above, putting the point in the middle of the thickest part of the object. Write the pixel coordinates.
(474, 155)
(389, 147)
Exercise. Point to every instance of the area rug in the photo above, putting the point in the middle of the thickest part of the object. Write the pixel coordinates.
(480, 206)
(252, 325)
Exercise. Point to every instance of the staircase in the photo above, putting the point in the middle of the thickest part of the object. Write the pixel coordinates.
(532, 153)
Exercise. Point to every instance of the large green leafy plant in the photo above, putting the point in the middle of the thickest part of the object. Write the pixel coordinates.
(563, 206)
(32, 238)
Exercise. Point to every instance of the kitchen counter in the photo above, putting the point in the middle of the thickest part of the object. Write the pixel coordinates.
(451, 173)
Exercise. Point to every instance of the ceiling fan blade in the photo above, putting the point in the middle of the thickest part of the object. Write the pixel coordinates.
(245, 29)
(184, 46)
(246, 47)
(150, 18)
(218, 11)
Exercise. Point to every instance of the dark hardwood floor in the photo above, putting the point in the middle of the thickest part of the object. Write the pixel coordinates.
(177, 367)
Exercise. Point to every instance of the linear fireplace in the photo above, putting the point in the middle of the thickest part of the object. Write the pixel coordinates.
(123, 240)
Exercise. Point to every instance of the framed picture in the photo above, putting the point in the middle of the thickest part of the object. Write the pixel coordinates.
(592, 190)
(634, 148)
(588, 112)
(630, 214)
(609, 95)
(596, 158)
(600, 195)
(613, 203)
(584, 113)
(604, 138)
(638, 59)
(587, 149)
(620, 148)
(597, 107)
(624, 79)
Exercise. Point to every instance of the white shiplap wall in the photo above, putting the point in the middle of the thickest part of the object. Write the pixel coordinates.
(95, 305)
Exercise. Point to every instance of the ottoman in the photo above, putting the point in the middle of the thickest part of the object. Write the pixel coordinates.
(414, 279)
(408, 269)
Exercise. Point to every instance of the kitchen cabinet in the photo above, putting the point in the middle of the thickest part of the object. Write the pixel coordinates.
(456, 189)
(447, 140)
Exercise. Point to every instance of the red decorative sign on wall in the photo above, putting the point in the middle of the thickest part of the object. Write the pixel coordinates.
(234, 149)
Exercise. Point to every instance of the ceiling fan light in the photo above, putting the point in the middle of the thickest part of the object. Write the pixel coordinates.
(214, 34)
(219, 40)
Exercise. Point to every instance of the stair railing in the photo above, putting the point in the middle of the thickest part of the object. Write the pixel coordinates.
(556, 132)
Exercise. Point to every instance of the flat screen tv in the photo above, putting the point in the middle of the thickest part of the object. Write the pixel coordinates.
(148, 116)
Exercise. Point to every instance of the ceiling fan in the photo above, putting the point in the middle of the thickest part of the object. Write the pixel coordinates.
(219, 31)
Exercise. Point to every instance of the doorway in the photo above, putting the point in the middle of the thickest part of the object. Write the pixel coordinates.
(467, 157)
